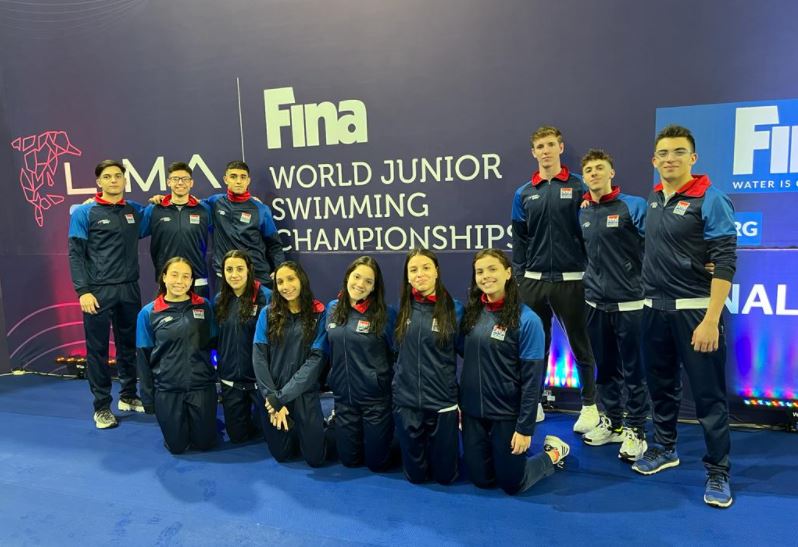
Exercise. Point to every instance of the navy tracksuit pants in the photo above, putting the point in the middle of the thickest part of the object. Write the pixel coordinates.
(119, 308)
(187, 418)
(429, 443)
(666, 347)
(616, 340)
(566, 300)
(305, 435)
(245, 413)
(364, 434)
(490, 462)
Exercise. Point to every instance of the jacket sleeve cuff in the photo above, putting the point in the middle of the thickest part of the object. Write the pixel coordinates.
(274, 402)
(727, 274)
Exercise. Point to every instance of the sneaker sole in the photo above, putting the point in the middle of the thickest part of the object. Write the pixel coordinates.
(601, 443)
(662, 467)
(715, 503)
(583, 430)
(629, 458)
(125, 407)
(108, 426)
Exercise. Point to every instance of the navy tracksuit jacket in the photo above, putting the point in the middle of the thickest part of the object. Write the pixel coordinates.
(694, 227)
(246, 225)
(178, 231)
(546, 234)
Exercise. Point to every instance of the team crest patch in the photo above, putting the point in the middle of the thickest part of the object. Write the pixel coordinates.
(498, 333)
(681, 208)
(165, 219)
(435, 325)
(652, 205)
(332, 325)
(566, 193)
(130, 218)
(612, 221)
(193, 219)
(246, 217)
(198, 314)
(362, 326)
(586, 224)
(535, 196)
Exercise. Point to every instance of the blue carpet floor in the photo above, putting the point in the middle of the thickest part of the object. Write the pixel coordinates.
(63, 482)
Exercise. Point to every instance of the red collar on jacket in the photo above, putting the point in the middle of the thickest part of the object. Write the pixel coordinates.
(606, 197)
(161, 304)
(98, 197)
(430, 298)
(694, 188)
(238, 198)
(562, 176)
(167, 201)
(491, 306)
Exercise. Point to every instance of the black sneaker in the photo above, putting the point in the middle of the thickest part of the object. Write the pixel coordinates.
(104, 419)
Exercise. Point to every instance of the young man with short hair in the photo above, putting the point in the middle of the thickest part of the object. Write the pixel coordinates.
(612, 227)
(689, 223)
(549, 257)
(104, 263)
(243, 223)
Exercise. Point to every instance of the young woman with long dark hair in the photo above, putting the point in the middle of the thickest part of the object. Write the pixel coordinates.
(359, 341)
(503, 368)
(425, 378)
(288, 358)
(174, 337)
(237, 305)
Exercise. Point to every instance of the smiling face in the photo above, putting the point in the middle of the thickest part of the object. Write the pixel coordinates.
(235, 274)
(422, 274)
(598, 175)
(180, 183)
(288, 284)
(491, 275)
(177, 280)
(674, 159)
(360, 283)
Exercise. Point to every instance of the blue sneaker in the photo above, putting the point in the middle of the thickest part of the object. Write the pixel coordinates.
(655, 459)
(718, 492)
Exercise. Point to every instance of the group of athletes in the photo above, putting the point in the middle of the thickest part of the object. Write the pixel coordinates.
(637, 285)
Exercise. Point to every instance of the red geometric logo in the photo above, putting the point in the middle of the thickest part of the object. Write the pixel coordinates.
(41, 157)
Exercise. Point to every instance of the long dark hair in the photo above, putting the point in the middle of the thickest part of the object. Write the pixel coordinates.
(377, 313)
(173, 260)
(279, 311)
(511, 311)
(442, 311)
(226, 294)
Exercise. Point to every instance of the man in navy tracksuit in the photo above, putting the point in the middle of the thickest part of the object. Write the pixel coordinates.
(179, 226)
(103, 261)
(549, 258)
(689, 223)
(243, 223)
(612, 227)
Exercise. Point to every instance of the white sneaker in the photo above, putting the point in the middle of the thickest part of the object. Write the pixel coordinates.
(634, 445)
(603, 434)
(541, 415)
(588, 419)
(555, 443)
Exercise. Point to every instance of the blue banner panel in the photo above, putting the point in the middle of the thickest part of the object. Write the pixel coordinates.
(750, 151)
(762, 341)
